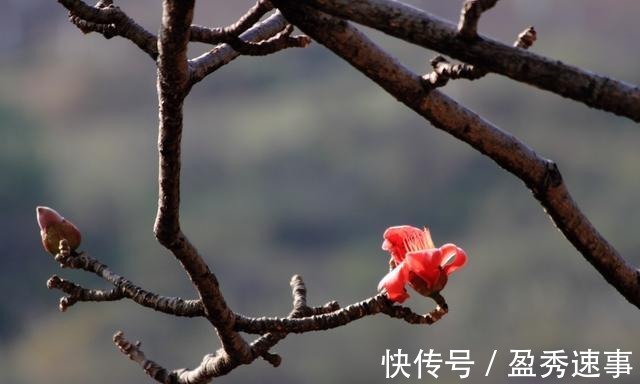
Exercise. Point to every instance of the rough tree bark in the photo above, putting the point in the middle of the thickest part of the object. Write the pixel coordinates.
(326, 21)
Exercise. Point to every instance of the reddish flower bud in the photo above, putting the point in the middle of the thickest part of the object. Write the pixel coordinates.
(418, 262)
(54, 227)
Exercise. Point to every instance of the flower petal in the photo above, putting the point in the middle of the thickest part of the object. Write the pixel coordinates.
(425, 264)
(453, 258)
(394, 282)
(47, 216)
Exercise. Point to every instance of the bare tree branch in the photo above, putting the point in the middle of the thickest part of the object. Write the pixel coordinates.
(421, 28)
(539, 174)
(274, 44)
(134, 352)
(249, 36)
(338, 318)
(209, 62)
(123, 288)
(219, 364)
(110, 21)
(231, 34)
(77, 293)
(221, 35)
(443, 71)
(173, 77)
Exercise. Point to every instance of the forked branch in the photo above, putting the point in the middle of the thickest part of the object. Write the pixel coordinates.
(302, 318)
(539, 174)
(443, 71)
(421, 28)
(321, 19)
(122, 288)
(245, 37)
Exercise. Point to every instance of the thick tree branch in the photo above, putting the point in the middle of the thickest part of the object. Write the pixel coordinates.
(173, 76)
(421, 28)
(539, 174)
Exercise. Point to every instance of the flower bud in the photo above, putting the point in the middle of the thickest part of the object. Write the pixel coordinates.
(54, 227)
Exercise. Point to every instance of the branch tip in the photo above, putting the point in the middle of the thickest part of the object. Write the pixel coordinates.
(66, 302)
(272, 358)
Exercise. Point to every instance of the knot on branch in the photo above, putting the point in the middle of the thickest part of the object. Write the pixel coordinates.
(443, 71)
(108, 30)
(553, 177)
(548, 179)
(65, 255)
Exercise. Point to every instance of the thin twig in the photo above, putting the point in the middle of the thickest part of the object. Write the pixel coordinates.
(470, 16)
(77, 293)
(123, 288)
(221, 35)
(371, 306)
(135, 353)
(282, 40)
(232, 34)
(110, 21)
(222, 54)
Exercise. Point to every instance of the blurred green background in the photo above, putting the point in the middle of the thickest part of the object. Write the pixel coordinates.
(296, 163)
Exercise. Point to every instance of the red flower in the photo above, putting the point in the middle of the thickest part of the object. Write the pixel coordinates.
(54, 227)
(416, 260)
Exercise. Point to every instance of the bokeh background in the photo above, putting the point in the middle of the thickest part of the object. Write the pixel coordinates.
(296, 163)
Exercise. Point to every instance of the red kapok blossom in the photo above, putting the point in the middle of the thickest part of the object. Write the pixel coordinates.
(416, 261)
(54, 227)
